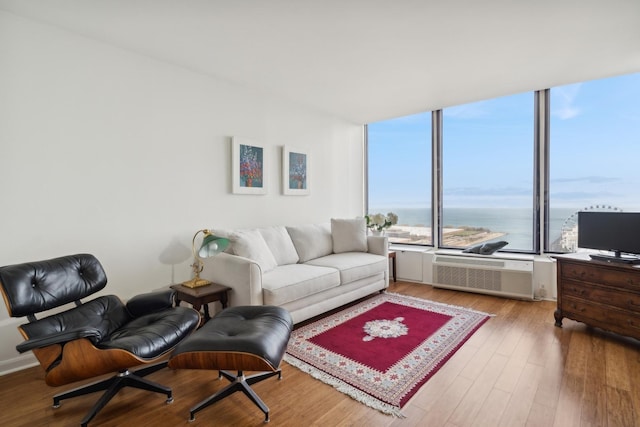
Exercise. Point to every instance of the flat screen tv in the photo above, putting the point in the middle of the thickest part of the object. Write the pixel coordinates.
(618, 232)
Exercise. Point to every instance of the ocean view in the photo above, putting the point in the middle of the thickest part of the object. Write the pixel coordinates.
(516, 224)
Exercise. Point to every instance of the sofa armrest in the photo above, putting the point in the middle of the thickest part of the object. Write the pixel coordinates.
(242, 275)
(378, 245)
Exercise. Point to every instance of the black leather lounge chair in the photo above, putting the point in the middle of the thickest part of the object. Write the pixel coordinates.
(97, 337)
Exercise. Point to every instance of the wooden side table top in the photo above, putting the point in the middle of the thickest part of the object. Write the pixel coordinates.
(201, 296)
(201, 291)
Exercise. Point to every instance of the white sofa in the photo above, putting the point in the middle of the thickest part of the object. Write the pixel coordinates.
(307, 269)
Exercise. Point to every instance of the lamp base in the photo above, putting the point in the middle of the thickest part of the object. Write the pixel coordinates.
(196, 283)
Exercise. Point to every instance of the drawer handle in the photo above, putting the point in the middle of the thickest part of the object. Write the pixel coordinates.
(575, 307)
(632, 303)
(582, 274)
(577, 291)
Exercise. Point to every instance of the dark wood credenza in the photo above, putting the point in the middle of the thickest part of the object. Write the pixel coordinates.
(601, 294)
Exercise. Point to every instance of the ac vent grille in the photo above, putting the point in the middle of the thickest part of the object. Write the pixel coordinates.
(485, 279)
(451, 275)
(469, 278)
(474, 275)
(471, 261)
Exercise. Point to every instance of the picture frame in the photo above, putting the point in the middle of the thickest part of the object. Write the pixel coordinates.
(248, 166)
(295, 171)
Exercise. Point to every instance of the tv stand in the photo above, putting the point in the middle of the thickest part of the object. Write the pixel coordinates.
(615, 259)
(605, 295)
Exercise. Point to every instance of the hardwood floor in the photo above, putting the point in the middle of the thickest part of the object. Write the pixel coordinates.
(518, 369)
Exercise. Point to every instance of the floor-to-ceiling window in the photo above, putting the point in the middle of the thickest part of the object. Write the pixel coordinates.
(487, 173)
(593, 153)
(489, 190)
(399, 176)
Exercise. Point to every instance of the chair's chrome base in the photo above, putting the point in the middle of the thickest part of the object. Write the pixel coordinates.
(112, 385)
(238, 383)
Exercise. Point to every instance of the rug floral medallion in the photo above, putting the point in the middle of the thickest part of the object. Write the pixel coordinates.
(380, 351)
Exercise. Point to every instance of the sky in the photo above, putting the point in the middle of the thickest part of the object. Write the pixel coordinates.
(595, 137)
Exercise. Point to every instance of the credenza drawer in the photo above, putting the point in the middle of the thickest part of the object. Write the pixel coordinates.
(605, 317)
(598, 273)
(600, 294)
(612, 297)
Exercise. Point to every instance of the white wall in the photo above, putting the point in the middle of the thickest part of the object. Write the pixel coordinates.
(113, 153)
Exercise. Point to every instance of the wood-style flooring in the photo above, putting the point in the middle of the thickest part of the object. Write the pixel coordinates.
(518, 369)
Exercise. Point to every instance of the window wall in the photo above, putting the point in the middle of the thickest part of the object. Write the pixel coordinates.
(593, 164)
(492, 185)
(487, 173)
(399, 176)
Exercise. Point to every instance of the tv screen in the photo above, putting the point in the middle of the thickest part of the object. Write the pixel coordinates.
(610, 231)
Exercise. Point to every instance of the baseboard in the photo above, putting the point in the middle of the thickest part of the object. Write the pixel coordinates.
(19, 363)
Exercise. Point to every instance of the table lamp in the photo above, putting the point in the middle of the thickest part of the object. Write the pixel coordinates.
(211, 245)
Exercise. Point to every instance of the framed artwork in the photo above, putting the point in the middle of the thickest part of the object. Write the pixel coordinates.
(295, 171)
(248, 169)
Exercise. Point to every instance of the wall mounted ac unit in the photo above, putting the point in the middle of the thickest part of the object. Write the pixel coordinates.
(494, 275)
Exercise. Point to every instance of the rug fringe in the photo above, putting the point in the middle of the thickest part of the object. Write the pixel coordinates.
(345, 388)
(439, 303)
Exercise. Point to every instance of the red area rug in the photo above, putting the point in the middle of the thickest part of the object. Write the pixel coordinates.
(383, 349)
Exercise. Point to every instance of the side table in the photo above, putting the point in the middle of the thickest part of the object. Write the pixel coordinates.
(202, 296)
(392, 257)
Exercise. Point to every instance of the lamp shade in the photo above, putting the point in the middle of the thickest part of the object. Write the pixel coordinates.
(212, 245)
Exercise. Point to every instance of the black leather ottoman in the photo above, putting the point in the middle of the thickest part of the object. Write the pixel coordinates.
(247, 338)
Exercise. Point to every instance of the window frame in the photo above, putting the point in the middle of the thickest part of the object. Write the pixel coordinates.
(541, 205)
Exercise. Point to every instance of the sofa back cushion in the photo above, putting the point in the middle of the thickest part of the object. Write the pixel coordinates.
(279, 241)
(349, 235)
(250, 244)
(311, 241)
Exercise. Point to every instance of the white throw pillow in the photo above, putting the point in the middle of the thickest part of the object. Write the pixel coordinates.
(311, 241)
(349, 235)
(250, 244)
(279, 241)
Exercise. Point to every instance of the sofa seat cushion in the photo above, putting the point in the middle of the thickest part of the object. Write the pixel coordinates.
(353, 265)
(291, 282)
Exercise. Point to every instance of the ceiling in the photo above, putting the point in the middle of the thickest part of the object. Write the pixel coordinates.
(367, 60)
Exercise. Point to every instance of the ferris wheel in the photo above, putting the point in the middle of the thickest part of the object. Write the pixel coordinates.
(569, 232)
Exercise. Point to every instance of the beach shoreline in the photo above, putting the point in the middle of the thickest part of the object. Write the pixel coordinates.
(455, 237)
